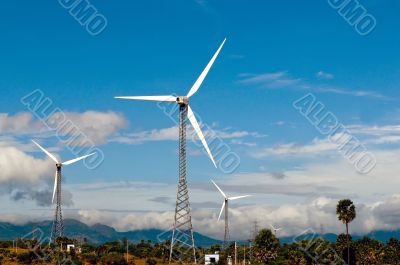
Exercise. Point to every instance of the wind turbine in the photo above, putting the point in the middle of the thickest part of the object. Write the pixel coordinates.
(183, 221)
(275, 229)
(225, 206)
(58, 223)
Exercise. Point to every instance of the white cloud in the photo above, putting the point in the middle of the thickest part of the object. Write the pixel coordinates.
(293, 218)
(315, 147)
(171, 134)
(324, 75)
(284, 80)
(26, 178)
(20, 123)
(19, 167)
(269, 80)
(96, 126)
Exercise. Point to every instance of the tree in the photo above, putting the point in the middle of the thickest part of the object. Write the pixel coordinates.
(369, 251)
(346, 212)
(392, 252)
(292, 255)
(266, 246)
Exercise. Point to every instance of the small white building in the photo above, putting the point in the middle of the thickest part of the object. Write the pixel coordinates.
(69, 247)
(72, 246)
(211, 259)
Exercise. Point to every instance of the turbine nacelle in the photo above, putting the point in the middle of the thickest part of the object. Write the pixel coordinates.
(183, 100)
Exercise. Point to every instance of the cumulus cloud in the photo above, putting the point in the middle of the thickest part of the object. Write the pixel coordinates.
(25, 178)
(20, 123)
(19, 167)
(93, 126)
(294, 218)
(127, 222)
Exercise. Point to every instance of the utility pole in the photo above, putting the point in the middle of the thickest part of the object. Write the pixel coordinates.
(127, 250)
(244, 254)
(235, 253)
(255, 232)
(251, 253)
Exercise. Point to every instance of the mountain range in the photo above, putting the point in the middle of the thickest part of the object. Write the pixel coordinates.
(96, 234)
(99, 233)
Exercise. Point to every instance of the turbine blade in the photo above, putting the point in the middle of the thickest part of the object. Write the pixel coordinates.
(273, 228)
(196, 127)
(222, 209)
(151, 98)
(203, 75)
(69, 162)
(46, 152)
(220, 190)
(238, 197)
(55, 188)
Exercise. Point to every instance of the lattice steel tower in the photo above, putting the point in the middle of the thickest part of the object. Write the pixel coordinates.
(58, 222)
(182, 234)
(226, 234)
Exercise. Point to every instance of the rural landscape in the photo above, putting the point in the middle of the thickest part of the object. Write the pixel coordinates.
(207, 132)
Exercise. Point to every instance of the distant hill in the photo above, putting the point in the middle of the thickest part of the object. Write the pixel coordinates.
(99, 233)
(96, 234)
(382, 236)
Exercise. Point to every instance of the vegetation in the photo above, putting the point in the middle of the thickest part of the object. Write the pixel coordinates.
(266, 249)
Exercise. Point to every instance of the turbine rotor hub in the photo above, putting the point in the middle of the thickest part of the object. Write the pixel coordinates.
(182, 100)
(58, 165)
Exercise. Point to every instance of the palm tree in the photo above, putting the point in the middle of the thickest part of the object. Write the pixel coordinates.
(346, 212)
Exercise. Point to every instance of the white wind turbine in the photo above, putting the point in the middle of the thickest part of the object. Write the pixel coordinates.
(182, 222)
(225, 206)
(275, 229)
(58, 225)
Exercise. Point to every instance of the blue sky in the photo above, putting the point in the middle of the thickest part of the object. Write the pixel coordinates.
(276, 52)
